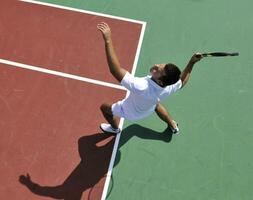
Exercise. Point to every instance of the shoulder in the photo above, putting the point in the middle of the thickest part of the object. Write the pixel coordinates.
(134, 83)
(174, 87)
(178, 84)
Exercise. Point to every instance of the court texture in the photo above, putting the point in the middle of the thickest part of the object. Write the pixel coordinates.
(54, 77)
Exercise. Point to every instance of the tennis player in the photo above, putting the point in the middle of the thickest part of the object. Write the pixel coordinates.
(146, 93)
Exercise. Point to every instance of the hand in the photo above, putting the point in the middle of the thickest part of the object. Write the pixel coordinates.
(196, 57)
(105, 30)
(26, 180)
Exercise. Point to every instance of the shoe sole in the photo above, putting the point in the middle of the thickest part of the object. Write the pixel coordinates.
(113, 133)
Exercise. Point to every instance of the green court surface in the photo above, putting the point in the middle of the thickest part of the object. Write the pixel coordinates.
(211, 158)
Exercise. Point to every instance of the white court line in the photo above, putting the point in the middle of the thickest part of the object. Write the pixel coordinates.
(115, 147)
(61, 74)
(83, 11)
(116, 144)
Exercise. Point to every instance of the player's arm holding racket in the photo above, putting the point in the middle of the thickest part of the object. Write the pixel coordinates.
(114, 65)
(185, 75)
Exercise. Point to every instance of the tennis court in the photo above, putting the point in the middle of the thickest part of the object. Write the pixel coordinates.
(54, 77)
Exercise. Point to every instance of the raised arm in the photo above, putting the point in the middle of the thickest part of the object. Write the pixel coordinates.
(188, 69)
(114, 65)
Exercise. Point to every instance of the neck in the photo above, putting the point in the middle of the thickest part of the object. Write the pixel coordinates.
(157, 82)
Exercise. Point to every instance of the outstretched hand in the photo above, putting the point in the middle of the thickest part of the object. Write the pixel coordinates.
(105, 30)
(196, 57)
(26, 180)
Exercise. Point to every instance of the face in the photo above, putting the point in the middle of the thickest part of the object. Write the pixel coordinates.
(157, 71)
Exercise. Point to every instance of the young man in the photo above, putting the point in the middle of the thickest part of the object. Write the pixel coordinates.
(146, 92)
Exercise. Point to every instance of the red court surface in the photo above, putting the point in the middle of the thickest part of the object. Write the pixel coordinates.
(63, 40)
(50, 124)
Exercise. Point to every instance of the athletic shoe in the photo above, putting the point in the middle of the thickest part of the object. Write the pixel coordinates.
(107, 128)
(175, 130)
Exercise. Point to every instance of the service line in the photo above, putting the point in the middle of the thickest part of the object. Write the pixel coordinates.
(61, 74)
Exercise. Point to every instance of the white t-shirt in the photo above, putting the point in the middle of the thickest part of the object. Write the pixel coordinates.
(143, 98)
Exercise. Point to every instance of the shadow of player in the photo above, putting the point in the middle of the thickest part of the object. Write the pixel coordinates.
(94, 163)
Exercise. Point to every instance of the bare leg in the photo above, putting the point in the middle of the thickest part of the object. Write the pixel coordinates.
(107, 112)
(164, 115)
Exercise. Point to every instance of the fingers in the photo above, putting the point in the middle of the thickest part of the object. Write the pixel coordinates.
(28, 176)
(24, 179)
(103, 27)
(198, 55)
(105, 30)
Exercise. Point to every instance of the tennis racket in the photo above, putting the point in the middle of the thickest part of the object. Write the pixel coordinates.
(219, 54)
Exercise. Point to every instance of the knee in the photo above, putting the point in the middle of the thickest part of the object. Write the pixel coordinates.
(102, 107)
(105, 107)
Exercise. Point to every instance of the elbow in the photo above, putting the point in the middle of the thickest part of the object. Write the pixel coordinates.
(184, 81)
(113, 72)
(183, 84)
(118, 74)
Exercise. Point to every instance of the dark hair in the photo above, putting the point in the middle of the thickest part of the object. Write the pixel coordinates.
(172, 74)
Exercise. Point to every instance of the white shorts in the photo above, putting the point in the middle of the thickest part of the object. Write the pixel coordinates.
(117, 109)
(122, 109)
